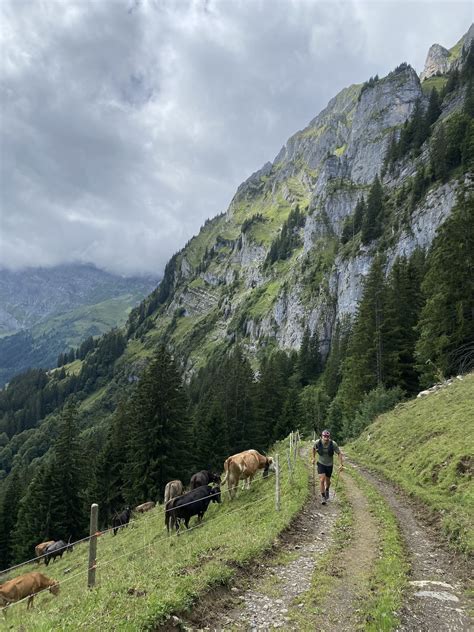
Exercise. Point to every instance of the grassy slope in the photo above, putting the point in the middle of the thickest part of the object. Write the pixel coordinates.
(171, 572)
(426, 446)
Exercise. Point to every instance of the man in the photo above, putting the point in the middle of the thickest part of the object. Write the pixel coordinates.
(326, 447)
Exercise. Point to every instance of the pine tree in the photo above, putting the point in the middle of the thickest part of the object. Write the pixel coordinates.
(309, 360)
(67, 479)
(9, 507)
(211, 437)
(439, 165)
(288, 418)
(33, 524)
(373, 221)
(313, 407)
(359, 214)
(160, 433)
(110, 477)
(363, 368)
(403, 302)
(446, 324)
(338, 350)
(237, 393)
(434, 108)
(271, 391)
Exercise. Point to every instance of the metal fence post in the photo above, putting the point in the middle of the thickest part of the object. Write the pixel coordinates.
(93, 545)
(277, 483)
(290, 467)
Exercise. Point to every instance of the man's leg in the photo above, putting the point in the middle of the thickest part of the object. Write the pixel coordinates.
(328, 485)
(322, 487)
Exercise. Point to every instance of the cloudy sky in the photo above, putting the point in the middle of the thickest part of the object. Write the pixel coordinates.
(126, 123)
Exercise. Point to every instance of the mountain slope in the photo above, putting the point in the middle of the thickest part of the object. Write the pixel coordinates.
(426, 446)
(46, 311)
(222, 285)
(370, 179)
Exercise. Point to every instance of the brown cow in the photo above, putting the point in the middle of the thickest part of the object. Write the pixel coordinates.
(40, 549)
(145, 507)
(26, 586)
(173, 489)
(245, 465)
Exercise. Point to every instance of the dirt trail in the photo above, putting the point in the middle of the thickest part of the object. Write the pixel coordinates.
(436, 600)
(261, 599)
(352, 567)
(269, 593)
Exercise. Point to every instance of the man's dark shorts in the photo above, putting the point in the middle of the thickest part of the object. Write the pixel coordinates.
(325, 469)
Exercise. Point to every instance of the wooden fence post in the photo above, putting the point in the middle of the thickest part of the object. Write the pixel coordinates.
(277, 483)
(93, 544)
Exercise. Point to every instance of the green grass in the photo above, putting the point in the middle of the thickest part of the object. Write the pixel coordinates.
(390, 575)
(433, 82)
(426, 446)
(143, 575)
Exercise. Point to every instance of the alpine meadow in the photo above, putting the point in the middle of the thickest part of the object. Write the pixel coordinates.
(336, 291)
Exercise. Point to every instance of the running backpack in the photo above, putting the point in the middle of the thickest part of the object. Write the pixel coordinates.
(319, 447)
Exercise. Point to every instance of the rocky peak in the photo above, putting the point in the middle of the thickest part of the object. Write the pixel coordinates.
(437, 61)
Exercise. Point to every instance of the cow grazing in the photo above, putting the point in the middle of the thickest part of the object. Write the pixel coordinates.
(244, 466)
(173, 489)
(144, 507)
(27, 585)
(41, 548)
(121, 519)
(204, 477)
(56, 550)
(193, 503)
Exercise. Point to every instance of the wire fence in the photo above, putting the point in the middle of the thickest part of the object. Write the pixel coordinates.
(150, 521)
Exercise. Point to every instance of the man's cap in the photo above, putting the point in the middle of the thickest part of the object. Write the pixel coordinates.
(326, 433)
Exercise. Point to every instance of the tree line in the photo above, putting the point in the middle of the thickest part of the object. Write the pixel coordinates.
(414, 324)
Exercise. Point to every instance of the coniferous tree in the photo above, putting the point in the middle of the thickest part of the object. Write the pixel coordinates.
(309, 359)
(211, 436)
(337, 352)
(238, 401)
(67, 479)
(403, 302)
(9, 507)
(359, 214)
(434, 108)
(160, 433)
(373, 221)
(33, 523)
(446, 324)
(439, 164)
(110, 477)
(363, 368)
(271, 392)
(288, 418)
(313, 408)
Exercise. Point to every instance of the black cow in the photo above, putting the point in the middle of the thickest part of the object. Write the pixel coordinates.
(56, 550)
(204, 477)
(121, 519)
(193, 503)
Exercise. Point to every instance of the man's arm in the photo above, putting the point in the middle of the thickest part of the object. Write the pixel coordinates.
(341, 464)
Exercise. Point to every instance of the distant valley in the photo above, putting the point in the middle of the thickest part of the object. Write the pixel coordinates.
(47, 311)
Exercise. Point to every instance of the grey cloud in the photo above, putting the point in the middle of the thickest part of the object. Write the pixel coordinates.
(126, 124)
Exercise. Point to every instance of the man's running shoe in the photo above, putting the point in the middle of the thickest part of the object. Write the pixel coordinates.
(323, 500)
(327, 494)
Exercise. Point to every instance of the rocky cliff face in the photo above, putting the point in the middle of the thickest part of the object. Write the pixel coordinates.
(440, 60)
(227, 288)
